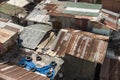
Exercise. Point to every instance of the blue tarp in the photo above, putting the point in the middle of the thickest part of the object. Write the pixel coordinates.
(44, 70)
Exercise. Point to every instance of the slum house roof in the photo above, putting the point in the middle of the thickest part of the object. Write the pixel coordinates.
(13, 72)
(110, 12)
(6, 33)
(111, 19)
(81, 44)
(77, 10)
(19, 3)
(39, 14)
(9, 9)
(46, 60)
(32, 35)
(5, 22)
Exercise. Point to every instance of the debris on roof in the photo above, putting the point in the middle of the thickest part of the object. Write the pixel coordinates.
(81, 44)
(47, 41)
(32, 35)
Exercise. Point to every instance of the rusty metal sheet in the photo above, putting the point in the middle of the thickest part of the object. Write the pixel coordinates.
(49, 6)
(27, 76)
(20, 74)
(13, 72)
(84, 45)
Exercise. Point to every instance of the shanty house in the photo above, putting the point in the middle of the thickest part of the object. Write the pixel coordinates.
(8, 36)
(109, 14)
(74, 14)
(19, 3)
(11, 12)
(79, 50)
(33, 34)
(39, 14)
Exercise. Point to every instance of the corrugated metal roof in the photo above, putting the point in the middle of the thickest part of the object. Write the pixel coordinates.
(10, 9)
(13, 72)
(39, 14)
(19, 3)
(78, 9)
(40, 27)
(3, 24)
(81, 44)
(6, 34)
(32, 36)
(83, 9)
(111, 19)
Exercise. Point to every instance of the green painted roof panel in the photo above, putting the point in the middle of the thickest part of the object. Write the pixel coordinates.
(10, 9)
(84, 6)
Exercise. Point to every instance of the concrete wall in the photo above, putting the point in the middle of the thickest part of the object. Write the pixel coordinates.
(67, 22)
(76, 68)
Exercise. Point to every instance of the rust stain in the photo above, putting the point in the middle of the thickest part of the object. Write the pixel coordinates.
(83, 45)
(18, 73)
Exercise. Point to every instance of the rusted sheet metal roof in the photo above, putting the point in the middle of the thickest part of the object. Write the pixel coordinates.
(6, 33)
(111, 19)
(49, 6)
(13, 72)
(8, 23)
(81, 44)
